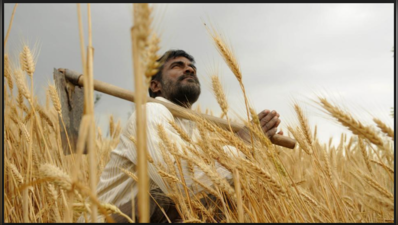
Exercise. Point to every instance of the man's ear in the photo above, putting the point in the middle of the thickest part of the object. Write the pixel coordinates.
(155, 86)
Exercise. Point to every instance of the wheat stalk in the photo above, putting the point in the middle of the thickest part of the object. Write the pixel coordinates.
(10, 25)
(139, 34)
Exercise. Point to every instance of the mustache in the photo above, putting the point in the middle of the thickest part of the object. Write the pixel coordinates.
(186, 75)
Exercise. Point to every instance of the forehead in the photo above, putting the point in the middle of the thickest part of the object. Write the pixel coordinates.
(179, 58)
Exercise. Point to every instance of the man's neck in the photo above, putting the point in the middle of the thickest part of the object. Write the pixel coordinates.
(185, 105)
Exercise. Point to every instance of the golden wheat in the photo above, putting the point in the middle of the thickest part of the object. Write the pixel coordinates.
(383, 127)
(219, 93)
(27, 61)
(355, 126)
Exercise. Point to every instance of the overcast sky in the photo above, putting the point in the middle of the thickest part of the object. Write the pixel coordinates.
(287, 52)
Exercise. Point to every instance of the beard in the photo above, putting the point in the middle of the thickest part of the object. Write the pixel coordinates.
(183, 94)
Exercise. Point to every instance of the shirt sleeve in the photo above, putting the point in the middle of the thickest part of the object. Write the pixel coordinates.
(158, 114)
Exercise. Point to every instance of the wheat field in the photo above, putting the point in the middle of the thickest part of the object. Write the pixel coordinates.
(315, 182)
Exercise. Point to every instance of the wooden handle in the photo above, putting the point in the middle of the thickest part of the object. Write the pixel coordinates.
(176, 110)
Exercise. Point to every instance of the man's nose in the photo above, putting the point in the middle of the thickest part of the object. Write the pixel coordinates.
(190, 70)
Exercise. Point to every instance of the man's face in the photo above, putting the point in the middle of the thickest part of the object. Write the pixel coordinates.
(179, 82)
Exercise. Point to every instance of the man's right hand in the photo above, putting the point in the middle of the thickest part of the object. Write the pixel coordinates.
(269, 121)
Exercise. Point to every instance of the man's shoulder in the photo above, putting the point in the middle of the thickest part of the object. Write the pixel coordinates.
(156, 106)
(157, 109)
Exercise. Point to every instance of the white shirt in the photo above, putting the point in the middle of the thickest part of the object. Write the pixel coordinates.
(116, 187)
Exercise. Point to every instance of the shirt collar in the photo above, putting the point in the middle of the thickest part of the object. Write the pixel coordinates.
(163, 99)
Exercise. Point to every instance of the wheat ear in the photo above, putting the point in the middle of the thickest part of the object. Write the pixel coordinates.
(152, 66)
(54, 196)
(57, 106)
(381, 201)
(167, 157)
(383, 127)
(168, 176)
(207, 188)
(219, 92)
(228, 56)
(7, 72)
(365, 155)
(180, 131)
(59, 177)
(303, 123)
(378, 187)
(18, 74)
(328, 168)
(193, 220)
(130, 174)
(16, 173)
(389, 169)
(111, 126)
(27, 61)
(301, 140)
(25, 132)
(221, 182)
(307, 198)
(44, 116)
(355, 126)
(112, 209)
(265, 176)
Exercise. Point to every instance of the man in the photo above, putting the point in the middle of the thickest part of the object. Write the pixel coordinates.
(176, 82)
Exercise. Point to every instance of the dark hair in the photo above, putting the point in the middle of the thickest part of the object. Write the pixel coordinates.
(171, 54)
